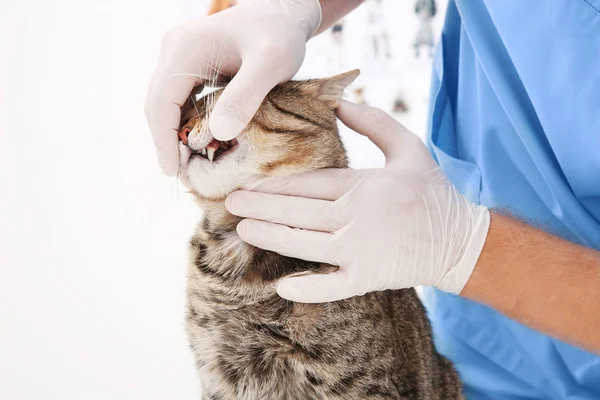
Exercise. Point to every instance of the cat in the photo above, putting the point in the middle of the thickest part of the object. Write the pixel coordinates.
(249, 343)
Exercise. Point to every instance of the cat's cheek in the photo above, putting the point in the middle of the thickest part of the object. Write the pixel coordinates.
(218, 179)
(184, 154)
(185, 180)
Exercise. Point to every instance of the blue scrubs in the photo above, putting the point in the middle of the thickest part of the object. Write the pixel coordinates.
(515, 124)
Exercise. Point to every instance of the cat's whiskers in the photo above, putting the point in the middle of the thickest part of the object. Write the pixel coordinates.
(217, 64)
(195, 106)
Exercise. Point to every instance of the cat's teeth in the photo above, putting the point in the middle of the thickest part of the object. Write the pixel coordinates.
(211, 153)
(204, 151)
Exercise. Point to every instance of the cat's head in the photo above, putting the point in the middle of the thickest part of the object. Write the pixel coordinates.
(294, 130)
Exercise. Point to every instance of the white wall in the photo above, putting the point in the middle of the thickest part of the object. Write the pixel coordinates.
(92, 236)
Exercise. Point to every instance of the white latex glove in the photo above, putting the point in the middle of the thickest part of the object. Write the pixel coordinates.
(396, 227)
(261, 42)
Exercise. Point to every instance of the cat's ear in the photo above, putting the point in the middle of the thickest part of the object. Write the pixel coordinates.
(332, 89)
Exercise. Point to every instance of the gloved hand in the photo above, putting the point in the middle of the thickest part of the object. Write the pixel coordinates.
(396, 227)
(261, 42)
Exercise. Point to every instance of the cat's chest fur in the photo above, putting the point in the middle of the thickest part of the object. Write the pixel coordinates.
(251, 344)
(241, 332)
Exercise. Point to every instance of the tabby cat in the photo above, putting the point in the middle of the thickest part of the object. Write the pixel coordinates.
(248, 342)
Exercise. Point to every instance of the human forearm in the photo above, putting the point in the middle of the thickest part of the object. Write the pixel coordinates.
(539, 280)
(333, 10)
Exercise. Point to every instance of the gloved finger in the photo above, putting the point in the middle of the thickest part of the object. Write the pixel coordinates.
(290, 242)
(165, 54)
(316, 288)
(166, 141)
(295, 212)
(325, 184)
(383, 130)
(163, 112)
(240, 99)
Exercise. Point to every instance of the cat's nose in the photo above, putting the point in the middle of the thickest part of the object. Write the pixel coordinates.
(183, 135)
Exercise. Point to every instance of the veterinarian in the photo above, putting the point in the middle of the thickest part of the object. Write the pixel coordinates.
(499, 216)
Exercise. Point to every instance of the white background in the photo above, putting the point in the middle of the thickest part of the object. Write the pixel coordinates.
(93, 237)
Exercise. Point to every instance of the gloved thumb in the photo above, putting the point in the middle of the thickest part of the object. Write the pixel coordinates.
(315, 288)
(239, 101)
(382, 129)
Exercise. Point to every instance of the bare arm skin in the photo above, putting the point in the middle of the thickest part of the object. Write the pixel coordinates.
(539, 280)
(333, 10)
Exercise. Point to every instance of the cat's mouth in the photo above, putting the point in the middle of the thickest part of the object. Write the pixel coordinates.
(215, 149)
